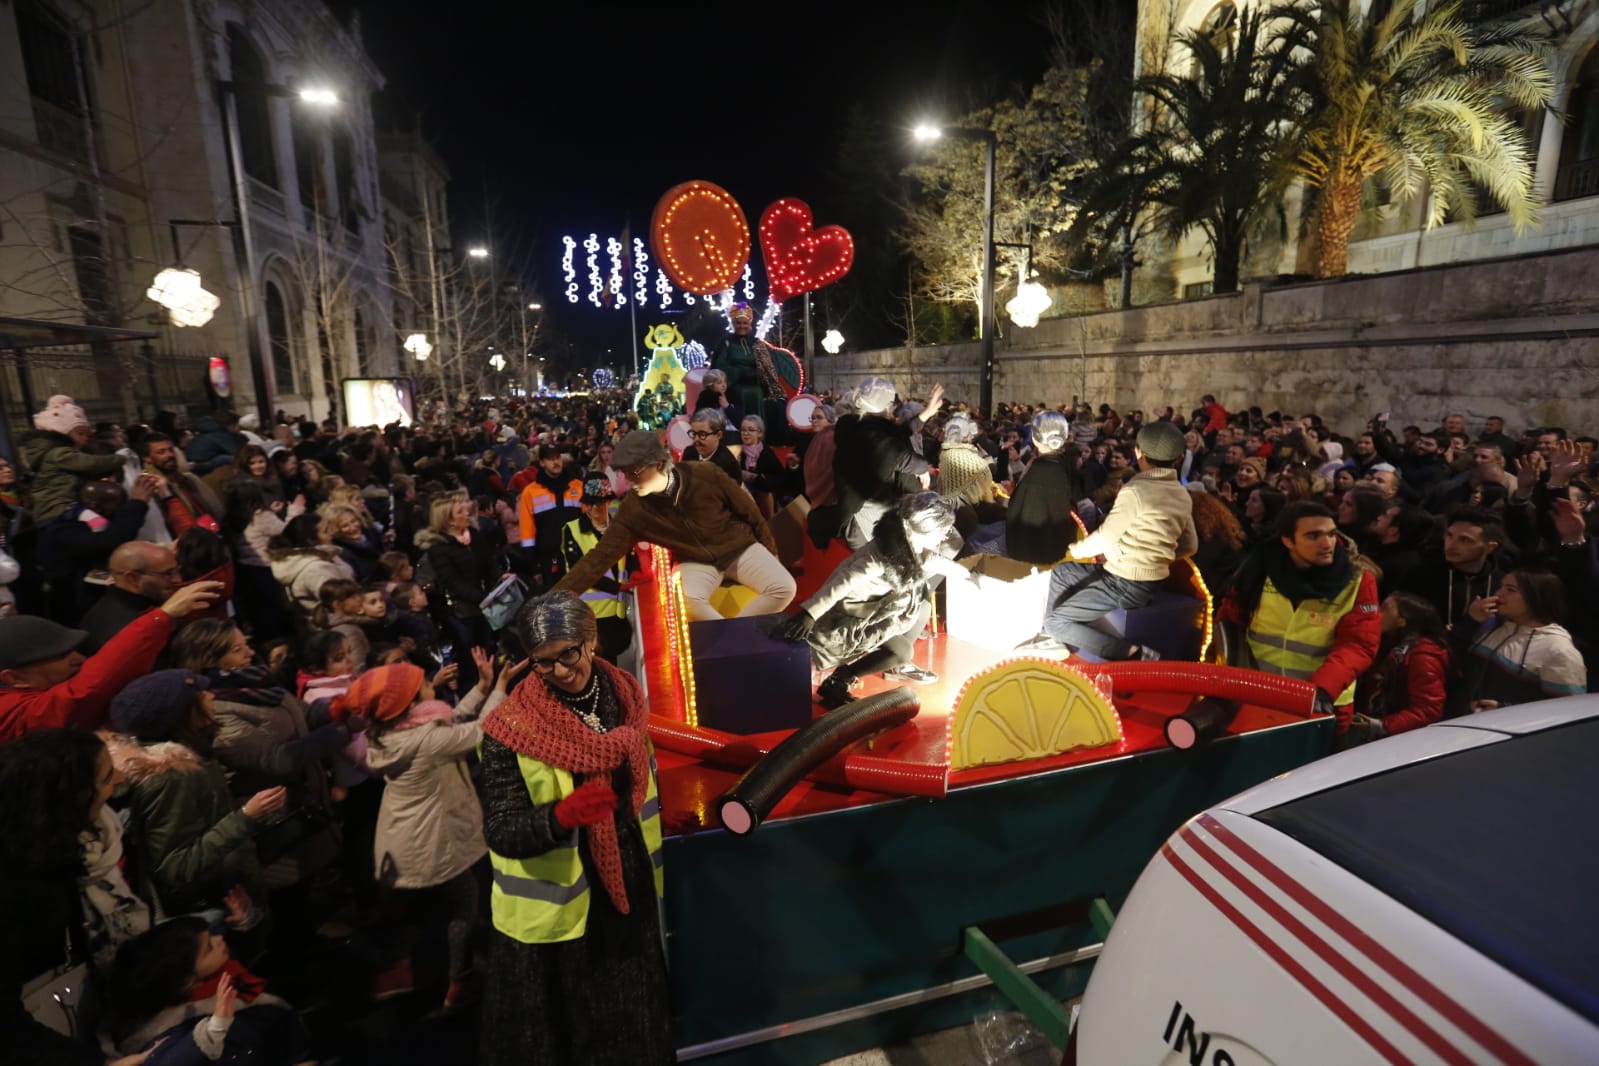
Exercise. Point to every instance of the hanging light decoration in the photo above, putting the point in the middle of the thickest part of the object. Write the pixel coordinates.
(417, 344)
(1031, 301)
(832, 342)
(178, 289)
(568, 271)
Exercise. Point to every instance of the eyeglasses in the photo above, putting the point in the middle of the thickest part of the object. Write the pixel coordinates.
(703, 434)
(567, 659)
(635, 473)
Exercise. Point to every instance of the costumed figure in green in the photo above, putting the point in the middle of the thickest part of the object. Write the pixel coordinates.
(760, 380)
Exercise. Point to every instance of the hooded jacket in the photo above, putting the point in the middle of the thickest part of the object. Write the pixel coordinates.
(192, 840)
(430, 827)
(303, 571)
(58, 469)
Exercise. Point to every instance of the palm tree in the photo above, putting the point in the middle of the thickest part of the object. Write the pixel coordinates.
(1214, 149)
(1419, 97)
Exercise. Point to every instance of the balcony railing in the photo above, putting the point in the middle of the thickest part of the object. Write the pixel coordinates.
(1576, 180)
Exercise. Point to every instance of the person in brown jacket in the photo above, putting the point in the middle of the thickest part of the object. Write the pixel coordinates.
(710, 525)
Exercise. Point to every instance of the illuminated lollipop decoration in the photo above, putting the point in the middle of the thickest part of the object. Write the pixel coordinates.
(700, 237)
(603, 378)
(799, 257)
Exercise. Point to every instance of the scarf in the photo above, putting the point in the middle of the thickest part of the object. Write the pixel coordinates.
(250, 685)
(533, 722)
(752, 452)
(248, 984)
(425, 712)
(112, 913)
(1294, 582)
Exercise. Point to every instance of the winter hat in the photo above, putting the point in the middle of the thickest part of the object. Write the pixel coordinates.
(27, 638)
(598, 490)
(507, 434)
(250, 421)
(61, 415)
(1161, 442)
(152, 707)
(639, 448)
(874, 396)
(964, 475)
(382, 693)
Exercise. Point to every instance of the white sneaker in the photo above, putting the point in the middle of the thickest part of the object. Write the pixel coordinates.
(912, 673)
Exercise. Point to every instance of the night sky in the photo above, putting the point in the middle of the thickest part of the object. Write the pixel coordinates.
(570, 118)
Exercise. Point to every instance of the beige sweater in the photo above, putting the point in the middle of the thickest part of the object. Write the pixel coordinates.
(1150, 526)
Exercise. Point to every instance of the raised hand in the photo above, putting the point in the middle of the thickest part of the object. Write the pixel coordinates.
(266, 803)
(509, 675)
(485, 669)
(1565, 463)
(445, 678)
(1528, 470)
(1568, 521)
(192, 598)
(227, 998)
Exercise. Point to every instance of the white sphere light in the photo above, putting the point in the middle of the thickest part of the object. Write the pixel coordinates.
(178, 289)
(832, 341)
(417, 344)
(1031, 300)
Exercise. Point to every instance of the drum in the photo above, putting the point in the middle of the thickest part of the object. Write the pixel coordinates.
(693, 382)
(800, 409)
(677, 437)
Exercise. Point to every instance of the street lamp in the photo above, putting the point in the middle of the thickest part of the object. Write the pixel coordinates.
(928, 132)
(417, 344)
(832, 341)
(477, 251)
(244, 249)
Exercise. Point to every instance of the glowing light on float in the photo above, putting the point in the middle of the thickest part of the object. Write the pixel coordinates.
(799, 257)
(603, 378)
(694, 356)
(700, 237)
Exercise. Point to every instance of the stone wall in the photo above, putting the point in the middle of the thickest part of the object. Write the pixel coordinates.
(1517, 337)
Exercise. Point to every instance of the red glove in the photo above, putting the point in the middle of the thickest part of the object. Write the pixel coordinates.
(590, 802)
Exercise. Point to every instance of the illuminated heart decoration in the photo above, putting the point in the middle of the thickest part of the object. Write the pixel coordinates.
(800, 258)
(700, 237)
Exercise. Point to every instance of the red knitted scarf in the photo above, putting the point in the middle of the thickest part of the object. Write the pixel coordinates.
(533, 722)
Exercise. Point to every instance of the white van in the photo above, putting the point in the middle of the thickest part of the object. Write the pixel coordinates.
(1429, 898)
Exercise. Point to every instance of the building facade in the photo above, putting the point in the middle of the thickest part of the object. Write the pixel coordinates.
(114, 164)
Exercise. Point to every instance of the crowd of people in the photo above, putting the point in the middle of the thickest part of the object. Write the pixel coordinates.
(267, 690)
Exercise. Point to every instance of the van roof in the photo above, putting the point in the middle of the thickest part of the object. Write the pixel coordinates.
(1497, 845)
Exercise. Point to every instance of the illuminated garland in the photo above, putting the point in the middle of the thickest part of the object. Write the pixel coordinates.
(568, 271)
(641, 272)
(663, 289)
(613, 248)
(596, 280)
(749, 284)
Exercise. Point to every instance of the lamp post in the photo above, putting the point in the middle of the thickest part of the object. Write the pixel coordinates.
(924, 132)
(244, 244)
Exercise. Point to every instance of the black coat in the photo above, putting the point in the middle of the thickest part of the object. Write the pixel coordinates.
(37, 915)
(111, 614)
(722, 457)
(1039, 526)
(465, 573)
(873, 460)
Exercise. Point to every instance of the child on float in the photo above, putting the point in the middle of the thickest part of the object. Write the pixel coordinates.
(177, 987)
(866, 617)
(430, 825)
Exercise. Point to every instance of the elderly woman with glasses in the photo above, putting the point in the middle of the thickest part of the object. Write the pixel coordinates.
(762, 471)
(572, 819)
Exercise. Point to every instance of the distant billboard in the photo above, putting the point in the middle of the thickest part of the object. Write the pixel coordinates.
(380, 401)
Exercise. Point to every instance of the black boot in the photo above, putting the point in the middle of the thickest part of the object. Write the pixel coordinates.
(834, 692)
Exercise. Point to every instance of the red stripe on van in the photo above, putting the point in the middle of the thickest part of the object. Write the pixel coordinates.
(1436, 1041)
(1347, 1014)
(1363, 942)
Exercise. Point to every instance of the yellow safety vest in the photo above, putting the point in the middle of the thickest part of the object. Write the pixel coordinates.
(604, 604)
(1294, 641)
(545, 898)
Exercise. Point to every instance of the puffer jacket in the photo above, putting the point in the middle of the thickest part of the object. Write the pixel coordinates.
(191, 840)
(211, 442)
(430, 827)
(303, 571)
(58, 469)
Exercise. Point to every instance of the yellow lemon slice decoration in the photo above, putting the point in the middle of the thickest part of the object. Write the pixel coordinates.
(1028, 709)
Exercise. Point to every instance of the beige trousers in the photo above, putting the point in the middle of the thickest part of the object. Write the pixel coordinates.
(755, 568)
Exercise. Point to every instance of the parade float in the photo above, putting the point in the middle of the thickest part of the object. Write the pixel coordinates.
(845, 879)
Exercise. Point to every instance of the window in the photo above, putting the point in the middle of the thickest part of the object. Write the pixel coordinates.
(93, 275)
(306, 161)
(1578, 174)
(1198, 289)
(51, 49)
(280, 339)
(361, 345)
(250, 103)
(1220, 25)
(344, 177)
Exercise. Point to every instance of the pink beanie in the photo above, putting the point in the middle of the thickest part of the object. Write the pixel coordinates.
(61, 415)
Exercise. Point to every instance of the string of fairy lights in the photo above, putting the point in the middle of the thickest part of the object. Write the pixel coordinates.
(618, 272)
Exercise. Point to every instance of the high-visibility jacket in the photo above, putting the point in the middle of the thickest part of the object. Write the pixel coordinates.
(606, 597)
(545, 899)
(1294, 641)
(538, 501)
